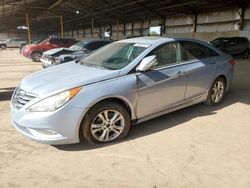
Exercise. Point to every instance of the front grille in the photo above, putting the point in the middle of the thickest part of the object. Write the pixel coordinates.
(21, 98)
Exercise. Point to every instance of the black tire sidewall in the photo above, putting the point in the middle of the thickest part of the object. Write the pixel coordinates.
(94, 111)
(3, 47)
(246, 54)
(32, 56)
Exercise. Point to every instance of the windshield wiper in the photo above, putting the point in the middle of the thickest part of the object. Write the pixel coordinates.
(91, 65)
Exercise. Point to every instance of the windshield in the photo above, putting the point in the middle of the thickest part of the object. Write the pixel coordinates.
(115, 56)
(43, 41)
(78, 46)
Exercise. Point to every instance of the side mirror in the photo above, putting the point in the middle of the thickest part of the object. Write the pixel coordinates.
(147, 63)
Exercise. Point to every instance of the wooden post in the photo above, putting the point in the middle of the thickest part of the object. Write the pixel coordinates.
(61, 21)
(28, 27)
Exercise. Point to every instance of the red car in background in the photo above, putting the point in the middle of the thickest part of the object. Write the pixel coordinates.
(35, 51)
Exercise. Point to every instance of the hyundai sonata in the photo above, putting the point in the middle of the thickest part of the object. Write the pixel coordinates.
(123, 83)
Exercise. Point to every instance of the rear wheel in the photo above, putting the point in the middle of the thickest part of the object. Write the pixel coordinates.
(3, 47)
(36, 56)
(246, 54)
(106, 122)
(216, 92)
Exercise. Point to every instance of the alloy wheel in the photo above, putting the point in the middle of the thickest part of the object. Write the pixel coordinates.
(217, 91)
(107, 125)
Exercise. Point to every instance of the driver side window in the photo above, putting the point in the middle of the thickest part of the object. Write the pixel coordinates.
(168, 54)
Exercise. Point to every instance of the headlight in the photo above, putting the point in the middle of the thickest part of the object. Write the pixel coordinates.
(54, 102)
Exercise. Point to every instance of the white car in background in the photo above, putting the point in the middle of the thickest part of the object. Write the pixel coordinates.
(12, 43)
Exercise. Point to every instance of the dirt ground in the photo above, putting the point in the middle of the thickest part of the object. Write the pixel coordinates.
(198, 146)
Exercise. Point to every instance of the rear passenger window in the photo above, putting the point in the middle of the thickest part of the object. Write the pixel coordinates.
(193, 50)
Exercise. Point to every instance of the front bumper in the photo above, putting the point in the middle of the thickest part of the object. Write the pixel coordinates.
(54, 128)
(46, 63)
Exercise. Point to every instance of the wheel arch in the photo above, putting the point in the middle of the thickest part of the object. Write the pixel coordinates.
(224, 77)
(117, 99)
(39, 51)
(3, 45)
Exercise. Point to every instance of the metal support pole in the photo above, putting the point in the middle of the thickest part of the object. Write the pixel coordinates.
(117, 29)
(61, 21)
(92, 26)
(141, 29)
(28, 27)
(242, 18)
(3, 10)
(194, 25)
(124, 29)
(132, 28)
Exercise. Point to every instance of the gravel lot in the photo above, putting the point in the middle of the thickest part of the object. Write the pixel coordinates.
(198, 146)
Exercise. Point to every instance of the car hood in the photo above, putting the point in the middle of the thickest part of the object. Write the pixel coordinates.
(30, 46)
(63, 77)
(58, 51)
(3, 41)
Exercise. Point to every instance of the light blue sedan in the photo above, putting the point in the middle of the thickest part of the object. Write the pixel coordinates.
(120, 84)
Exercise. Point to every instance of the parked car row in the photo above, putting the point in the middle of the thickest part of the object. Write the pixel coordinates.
(125, 82)
(77, 51)
(35, 51)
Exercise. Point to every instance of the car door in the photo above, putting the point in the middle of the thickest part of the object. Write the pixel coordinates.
(232, 46)
(241, 45)
(200, 69)
(164, 86)
(11, 43)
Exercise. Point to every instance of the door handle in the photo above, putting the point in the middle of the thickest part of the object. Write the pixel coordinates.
(180, 73)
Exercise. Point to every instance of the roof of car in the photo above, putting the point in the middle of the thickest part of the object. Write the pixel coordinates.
(147, 40)
(94, 40)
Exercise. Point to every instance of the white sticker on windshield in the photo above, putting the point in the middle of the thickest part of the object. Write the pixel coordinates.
(141, 45)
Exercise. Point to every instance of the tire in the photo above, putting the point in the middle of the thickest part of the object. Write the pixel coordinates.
(96, 130)
(36, 56)
(245, 54)
(217, 92)
(3, 47)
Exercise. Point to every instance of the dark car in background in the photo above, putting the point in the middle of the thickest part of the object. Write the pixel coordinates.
(233, 45)
(62, 55)
(35, 51)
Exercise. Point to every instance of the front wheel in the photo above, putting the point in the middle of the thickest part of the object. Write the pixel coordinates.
(216, 92)
(3, 47)
(246, 54)
(36, 56)
(106, 122)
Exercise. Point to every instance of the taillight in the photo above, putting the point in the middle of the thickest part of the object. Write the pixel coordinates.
(232, 62)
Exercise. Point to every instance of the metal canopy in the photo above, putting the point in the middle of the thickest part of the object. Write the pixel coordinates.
(44, 14)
